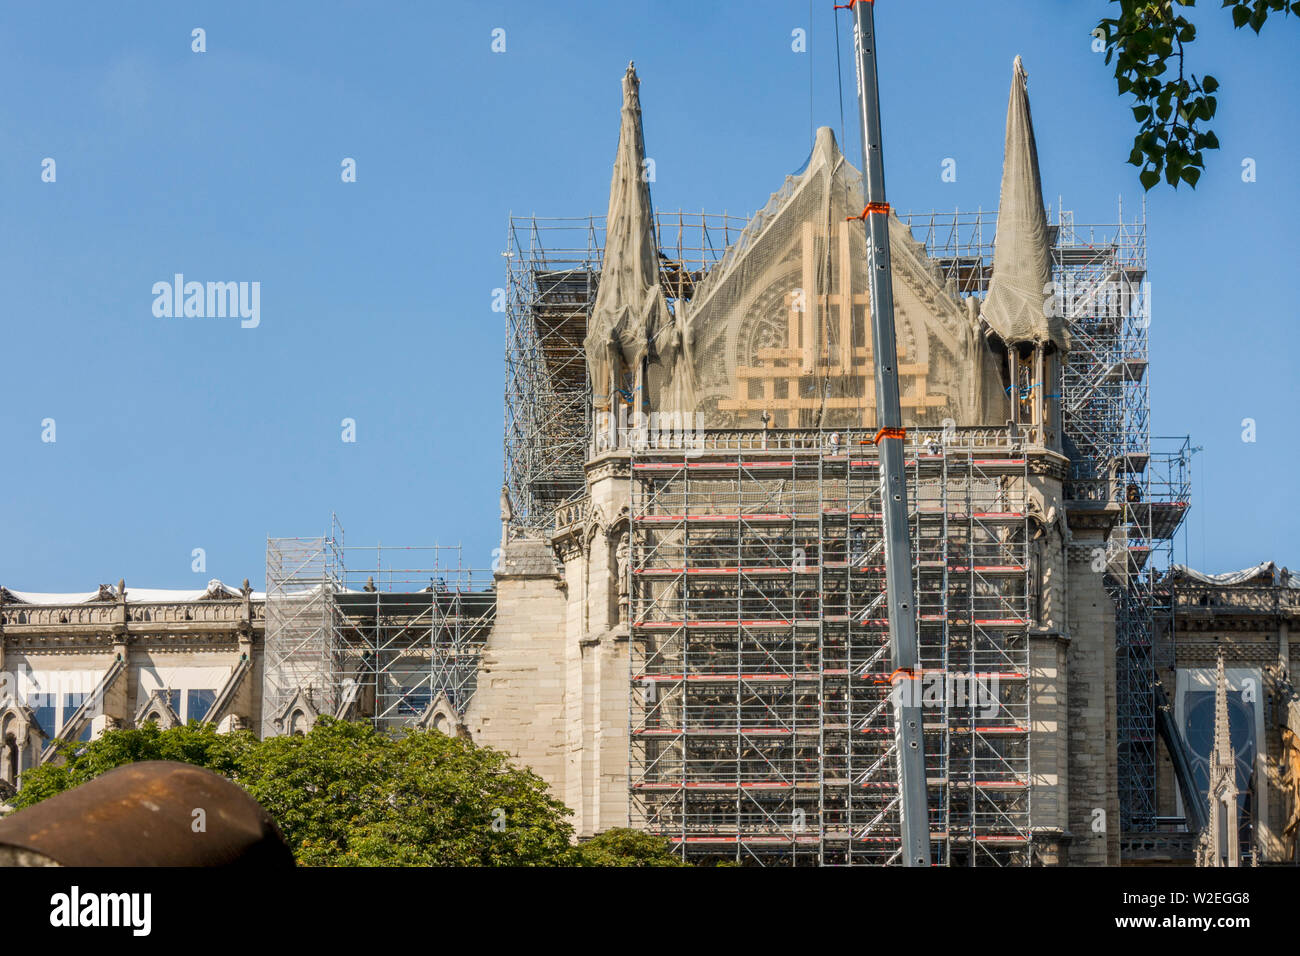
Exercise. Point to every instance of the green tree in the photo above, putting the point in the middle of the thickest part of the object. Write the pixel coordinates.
(346, 794)
(1147, 40)
(76, 762)
(624, 847)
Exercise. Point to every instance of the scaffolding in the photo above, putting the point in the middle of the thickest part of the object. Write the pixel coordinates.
(552, 273)
(1100, 285)
(760, 706)
(762, 715)
(381, 634)
(1140, 552)
(300, 648)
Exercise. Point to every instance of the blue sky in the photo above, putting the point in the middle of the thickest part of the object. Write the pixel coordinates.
(175, 434)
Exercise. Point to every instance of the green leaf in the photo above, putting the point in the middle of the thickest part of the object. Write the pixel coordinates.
(347, 795)
(1149, 179)
(1209, 84)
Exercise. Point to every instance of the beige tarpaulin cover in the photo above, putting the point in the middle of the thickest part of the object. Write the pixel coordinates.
(778, 330)
(630, 319)
(741, 323)
(1022, 257)
(1266, 570)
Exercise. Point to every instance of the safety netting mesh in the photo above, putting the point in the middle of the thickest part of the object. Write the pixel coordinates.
(780, 331)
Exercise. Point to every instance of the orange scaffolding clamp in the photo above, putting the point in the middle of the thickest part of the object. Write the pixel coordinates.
(873, 209)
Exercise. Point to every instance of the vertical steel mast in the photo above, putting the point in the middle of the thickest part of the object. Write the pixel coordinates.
(908, 731)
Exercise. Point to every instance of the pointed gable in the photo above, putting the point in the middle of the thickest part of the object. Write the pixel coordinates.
(157, 709)
(781, 324)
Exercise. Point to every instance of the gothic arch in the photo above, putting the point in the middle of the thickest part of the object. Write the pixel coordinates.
(158, 710)
(298, 716)
(21, 739)
(441, 716)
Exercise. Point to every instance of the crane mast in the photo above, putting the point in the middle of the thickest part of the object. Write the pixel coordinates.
(908, 728)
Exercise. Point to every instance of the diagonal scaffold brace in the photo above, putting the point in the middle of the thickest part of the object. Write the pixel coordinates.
(908, 729)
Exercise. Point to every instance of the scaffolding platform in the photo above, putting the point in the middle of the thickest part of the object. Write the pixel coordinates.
(376, 634)
(552, 276)
(762, 718)
(1099, 279)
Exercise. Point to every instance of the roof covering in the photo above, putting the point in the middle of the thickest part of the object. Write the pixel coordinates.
(215, 591)
(1280, 577)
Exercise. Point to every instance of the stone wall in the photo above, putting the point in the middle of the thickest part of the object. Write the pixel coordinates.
(1093, 781)
(518, 706)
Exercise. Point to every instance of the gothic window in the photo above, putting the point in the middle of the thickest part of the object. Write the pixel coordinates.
(71, 702)
(1198, 731)
(198, 703)
(44, 711)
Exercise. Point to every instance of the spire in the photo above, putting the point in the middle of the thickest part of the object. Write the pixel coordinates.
(629, 306)
(1219, 844)
(630, 248)
(1022, 255)
(1222, 757)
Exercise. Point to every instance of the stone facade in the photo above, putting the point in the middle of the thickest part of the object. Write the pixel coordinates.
(520, 703)
(1247, 620)
(73, 668)
(556, 680)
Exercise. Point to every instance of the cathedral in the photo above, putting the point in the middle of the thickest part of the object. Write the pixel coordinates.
(693, 640)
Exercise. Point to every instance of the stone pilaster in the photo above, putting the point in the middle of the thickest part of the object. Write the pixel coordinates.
(518, 704)
(1093, 782)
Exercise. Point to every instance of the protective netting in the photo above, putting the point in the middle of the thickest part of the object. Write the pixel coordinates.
(780, 327)
(1022, 256)
(630, 320)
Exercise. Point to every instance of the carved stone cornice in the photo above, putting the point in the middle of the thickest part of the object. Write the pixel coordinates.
(609, 464)
(1096, 517)
(1047, 463)
(568, 544)
(1203, 623)
(1235, 653)
(1050, 635)
(85, 641)
(14, 617)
